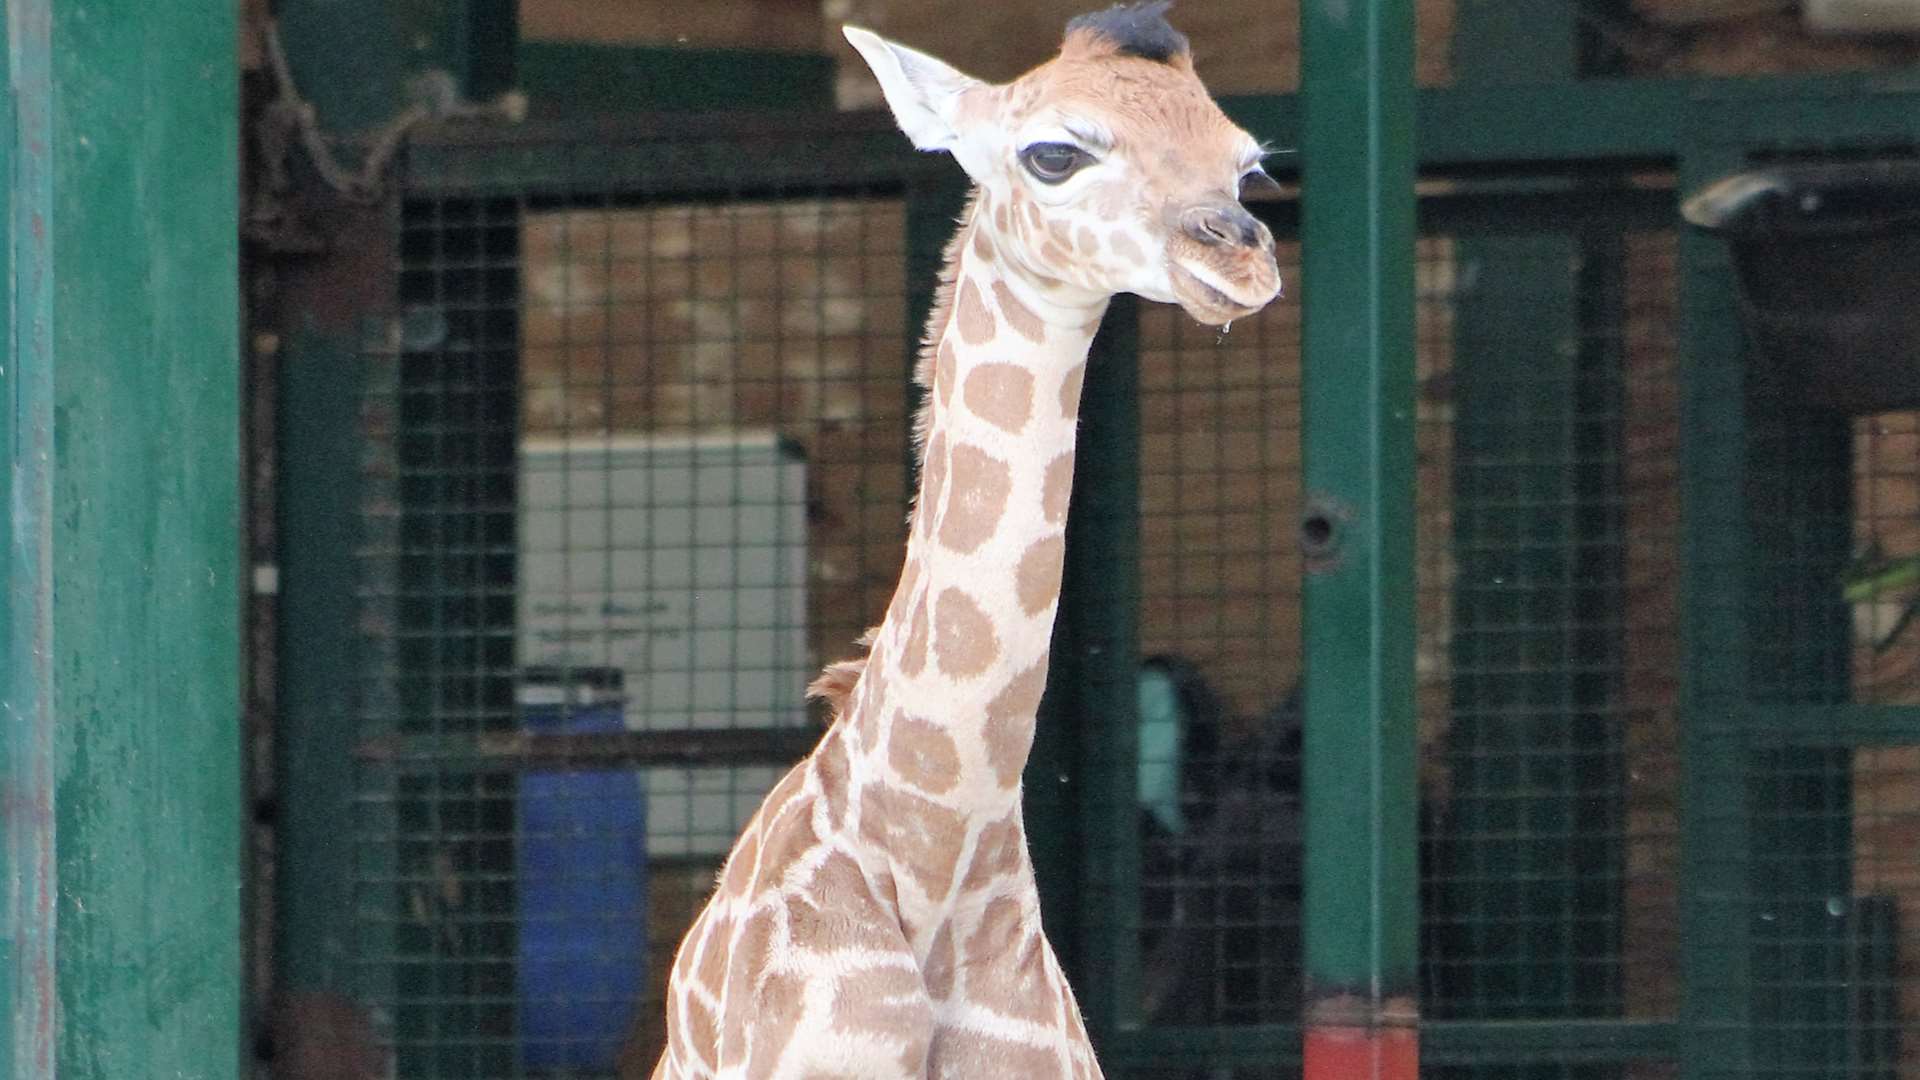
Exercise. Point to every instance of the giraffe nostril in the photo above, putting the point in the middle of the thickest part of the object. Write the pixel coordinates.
(1218, 226)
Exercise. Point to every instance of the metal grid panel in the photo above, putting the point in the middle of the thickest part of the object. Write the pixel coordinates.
(1551, 855)
(593, 348)
(639, 466)
(1548, 652)
(1220, 640)
(1831, 760)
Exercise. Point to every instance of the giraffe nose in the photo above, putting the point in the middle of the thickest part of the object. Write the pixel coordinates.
(1222, 224)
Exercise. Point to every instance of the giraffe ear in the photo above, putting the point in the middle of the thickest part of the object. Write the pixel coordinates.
(924, 93)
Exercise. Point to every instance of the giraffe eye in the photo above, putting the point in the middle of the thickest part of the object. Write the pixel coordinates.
(1052, 162)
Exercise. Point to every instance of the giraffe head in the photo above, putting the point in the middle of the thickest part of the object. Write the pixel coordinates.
(1107, 169)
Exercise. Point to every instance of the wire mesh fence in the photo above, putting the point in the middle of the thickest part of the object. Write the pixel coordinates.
(637, 466)
(642, 467)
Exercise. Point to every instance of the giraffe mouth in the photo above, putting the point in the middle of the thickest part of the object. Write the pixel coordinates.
(1211, 298)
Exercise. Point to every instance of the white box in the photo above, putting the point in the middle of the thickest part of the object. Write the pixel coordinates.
(682, 562)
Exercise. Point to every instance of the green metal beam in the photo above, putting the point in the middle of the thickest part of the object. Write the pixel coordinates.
(1100, 639)
(122, 684)
(1361, 792)
(1716, 908)
(1461, 127)
(350, 60)
(1649, 119)
(1819, 726)
(568, 79)
(1505, 1043)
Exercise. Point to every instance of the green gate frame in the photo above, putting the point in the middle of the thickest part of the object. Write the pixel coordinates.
(1537, 124)
(122, 681)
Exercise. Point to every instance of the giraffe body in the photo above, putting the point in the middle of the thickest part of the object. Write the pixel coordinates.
(878, 916)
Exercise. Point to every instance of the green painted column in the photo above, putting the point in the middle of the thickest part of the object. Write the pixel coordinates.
(122, 683)
(1357, 236)
(1716, 910)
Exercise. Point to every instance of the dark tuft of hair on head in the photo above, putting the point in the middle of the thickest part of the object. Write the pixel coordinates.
(1138, 29)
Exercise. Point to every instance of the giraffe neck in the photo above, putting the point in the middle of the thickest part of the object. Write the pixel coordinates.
(944, 718)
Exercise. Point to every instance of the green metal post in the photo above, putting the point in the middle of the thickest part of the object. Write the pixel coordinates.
(349, 60)
(1716, 912)
(1357, 235)
(1097, 665)
(122, 681)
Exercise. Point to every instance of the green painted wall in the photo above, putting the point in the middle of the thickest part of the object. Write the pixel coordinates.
(122, 686)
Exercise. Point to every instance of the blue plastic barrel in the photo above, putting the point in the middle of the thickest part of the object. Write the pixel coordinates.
(582, 873)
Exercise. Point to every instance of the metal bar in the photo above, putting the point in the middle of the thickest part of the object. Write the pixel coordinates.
(1716, 830)
(1595, 119)
(569, 78)
(664, 167)
(486, 52)
(1101, 637)
(1361, 794)
(514, 751)
(322, 316)
(1446, 1042)
(1819, 726)
(321, 440)
(123, 683)
(1644, 120)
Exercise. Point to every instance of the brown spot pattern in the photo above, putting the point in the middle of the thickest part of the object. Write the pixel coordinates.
(786, 789)
(945, 363)
(1000, 217)
(831, 927)
(830, 763)
(865, 725)
(1008, 731)
(982, 246)
(939, 966)
(976, 498)
(1018, 315)
(787, 839)
(1055, 254)
(701, 1031)
(913, 658)
(1037, 578)
(1127, 248)
(963, 640)
(1033, 216)
(712, 971)
(1056, 488)
(777, 1010)
(881, 999)
(755, 938)
(920, 834)
(933, 481)
(740, 862)
(971, 315)
(1089, 240)
(1070, 391)
(1006, 966)
(923, 755)
(961, 1053)
(996, 854)
(1002, 395)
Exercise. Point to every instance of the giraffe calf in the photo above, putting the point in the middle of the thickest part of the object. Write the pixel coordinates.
(878, 916)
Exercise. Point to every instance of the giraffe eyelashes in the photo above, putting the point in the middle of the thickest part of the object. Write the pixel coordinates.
(1054, 162)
